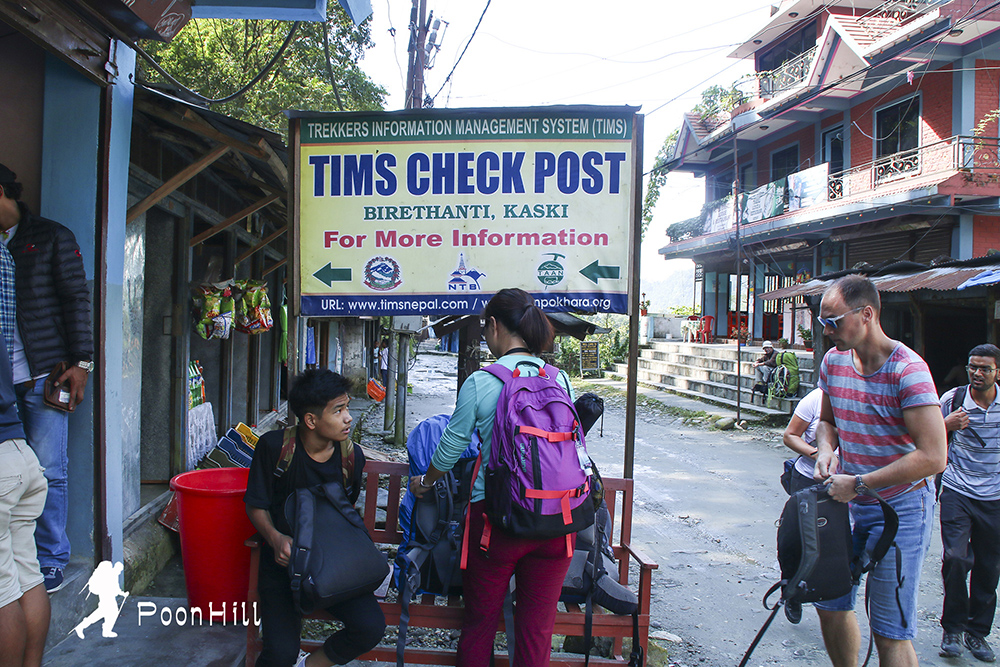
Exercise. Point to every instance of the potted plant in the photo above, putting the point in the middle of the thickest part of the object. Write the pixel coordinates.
(807, 337)
(643, 305)
(741, 334)
(782, 343)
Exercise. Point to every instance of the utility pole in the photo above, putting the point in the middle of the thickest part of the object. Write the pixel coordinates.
(414, 100)
(739, 283)
(415, 66)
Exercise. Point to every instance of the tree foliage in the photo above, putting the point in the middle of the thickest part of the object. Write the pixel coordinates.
(715, 100)
(217, 57)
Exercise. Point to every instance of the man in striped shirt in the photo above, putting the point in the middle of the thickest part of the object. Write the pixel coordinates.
(970, 508)
(880, 428)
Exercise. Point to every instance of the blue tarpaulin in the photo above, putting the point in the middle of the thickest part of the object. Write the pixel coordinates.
(990, 277)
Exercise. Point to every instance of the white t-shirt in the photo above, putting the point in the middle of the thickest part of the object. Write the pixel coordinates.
(808, 410)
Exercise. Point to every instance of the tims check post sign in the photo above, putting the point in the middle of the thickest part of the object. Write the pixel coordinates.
(432, 212)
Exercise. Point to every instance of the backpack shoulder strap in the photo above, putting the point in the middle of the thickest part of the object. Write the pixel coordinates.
(809, 534)
(885, 540)
(499, 371)
(287, 451)
(958, 398)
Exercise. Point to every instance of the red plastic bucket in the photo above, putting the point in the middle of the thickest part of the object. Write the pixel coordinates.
(213, 527)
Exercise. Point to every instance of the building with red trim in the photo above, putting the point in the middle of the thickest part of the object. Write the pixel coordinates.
(867, 137)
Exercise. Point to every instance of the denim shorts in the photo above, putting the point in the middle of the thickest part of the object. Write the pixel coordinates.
(916, 517)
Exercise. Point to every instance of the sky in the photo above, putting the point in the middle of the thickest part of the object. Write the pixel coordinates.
(657, 54)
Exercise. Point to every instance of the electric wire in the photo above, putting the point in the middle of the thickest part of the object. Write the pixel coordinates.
(228, 98)
(460, 56)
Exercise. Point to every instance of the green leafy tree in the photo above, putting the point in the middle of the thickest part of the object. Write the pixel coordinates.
(715, 100)
(217, 57)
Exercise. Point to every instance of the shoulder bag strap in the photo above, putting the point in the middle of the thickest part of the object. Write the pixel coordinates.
(287, 451)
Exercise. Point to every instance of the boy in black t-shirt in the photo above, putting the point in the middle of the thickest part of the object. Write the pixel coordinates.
(323, 453)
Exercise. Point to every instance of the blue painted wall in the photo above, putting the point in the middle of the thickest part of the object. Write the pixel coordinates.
(69, 186)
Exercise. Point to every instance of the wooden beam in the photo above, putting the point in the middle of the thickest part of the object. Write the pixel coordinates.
(277, 265)
(233, 219)
(279, 166)
(278, 232)
(197, 124)
(192, 122)
(177, 181)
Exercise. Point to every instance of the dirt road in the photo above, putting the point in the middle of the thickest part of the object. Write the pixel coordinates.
(705, 509)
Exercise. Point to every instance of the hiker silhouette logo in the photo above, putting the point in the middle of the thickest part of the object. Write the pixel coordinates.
(104, 584)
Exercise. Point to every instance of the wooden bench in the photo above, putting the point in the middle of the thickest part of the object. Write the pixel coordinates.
(425, 614)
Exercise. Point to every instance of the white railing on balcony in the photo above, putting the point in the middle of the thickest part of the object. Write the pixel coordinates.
(892, 15)
(952, 154)
(977, 157)
(788, 75)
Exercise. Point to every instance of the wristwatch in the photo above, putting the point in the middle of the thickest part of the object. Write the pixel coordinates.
(86, 365)
(860, 487)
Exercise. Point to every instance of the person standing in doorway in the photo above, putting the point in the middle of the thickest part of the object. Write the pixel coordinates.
(970, 508)
(383, 361)
(880, 429)
(53, 327)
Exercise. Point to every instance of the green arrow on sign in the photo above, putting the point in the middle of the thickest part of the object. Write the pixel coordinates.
(593, 271)
(329, 275)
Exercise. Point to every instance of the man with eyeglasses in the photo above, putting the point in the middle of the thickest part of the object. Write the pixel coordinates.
(880, 428)
(970, 508)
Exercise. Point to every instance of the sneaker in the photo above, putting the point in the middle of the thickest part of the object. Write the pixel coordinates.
(53, 579)
(793, 611)
(979, 648)
(302, 659)
(951, 645)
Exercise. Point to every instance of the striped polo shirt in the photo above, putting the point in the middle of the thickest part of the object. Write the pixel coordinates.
(869, 409)
(974, 470)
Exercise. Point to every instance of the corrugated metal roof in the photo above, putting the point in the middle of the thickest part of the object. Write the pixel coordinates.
(941, 279)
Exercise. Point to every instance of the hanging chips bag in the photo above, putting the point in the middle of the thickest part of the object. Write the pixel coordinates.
(214, 306)
(253, 308)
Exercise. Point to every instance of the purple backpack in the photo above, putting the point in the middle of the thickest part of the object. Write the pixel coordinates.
(538, 475)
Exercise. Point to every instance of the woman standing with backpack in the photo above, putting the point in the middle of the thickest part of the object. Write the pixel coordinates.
(516, 331)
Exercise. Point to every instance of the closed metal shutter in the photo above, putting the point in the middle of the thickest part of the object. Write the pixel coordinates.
(919, 246)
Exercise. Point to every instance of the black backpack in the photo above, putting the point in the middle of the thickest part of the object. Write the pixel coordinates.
(333, 556)
(815, 554)
(589, 580)
(430, 562)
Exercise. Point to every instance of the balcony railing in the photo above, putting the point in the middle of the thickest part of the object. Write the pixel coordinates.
(788, 75)
(953, 154)
(893, 14)
(977, 157)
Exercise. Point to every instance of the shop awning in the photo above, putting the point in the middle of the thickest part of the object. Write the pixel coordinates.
(954, 276)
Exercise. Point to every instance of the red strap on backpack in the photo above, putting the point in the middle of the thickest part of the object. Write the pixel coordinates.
(548, 435)
(562, 496)
(464, 562)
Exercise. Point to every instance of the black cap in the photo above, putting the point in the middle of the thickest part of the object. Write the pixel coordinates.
(6, 175)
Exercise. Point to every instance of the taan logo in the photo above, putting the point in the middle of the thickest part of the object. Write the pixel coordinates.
(382, 274)
(464, 279)
(551, 272)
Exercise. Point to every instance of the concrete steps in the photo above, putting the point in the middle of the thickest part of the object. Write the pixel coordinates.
(708, 372)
